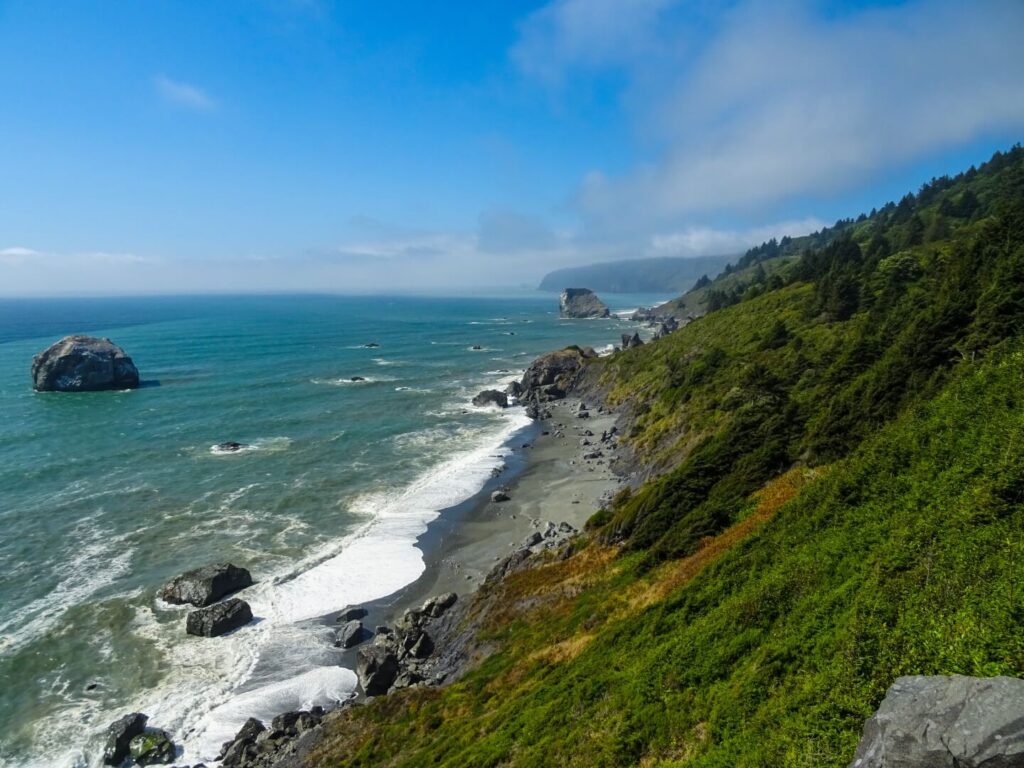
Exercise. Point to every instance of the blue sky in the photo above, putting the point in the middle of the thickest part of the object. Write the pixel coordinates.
(153, 147)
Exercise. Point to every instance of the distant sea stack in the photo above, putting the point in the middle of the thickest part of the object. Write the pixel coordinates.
(83, 364)
(581, 302)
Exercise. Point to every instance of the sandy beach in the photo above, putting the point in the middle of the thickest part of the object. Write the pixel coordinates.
(546, 478)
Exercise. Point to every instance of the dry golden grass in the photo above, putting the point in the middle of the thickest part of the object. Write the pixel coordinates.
(671, 576)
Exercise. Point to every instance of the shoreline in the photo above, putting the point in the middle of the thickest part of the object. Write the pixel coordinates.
(547, 480)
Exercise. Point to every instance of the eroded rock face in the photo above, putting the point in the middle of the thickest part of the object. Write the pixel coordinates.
(946, 722)
(581, 303)
(204, 586)
(219, 618)
(83, 364)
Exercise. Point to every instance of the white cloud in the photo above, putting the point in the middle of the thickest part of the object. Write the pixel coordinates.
(703, 241)
(17, 255)
(183, 94)
(585, 33)
(782, 100)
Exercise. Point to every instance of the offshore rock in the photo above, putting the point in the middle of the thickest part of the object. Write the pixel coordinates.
(83, 364)
(204, 586)
(580, 303)
(219, 618)
(946, 722)
(119, 736)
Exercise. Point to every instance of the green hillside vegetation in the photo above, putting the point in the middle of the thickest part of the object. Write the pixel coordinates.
(666, 274)
(835, 497)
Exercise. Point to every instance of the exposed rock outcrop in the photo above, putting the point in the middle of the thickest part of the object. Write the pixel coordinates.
(257, 746)
(631, 341)
(667, 326)
(491, 397)
(946, 722)
(581, 303)
(219, 618)
(550, 377)
(119, 736)
(204, 586)
(83, 364)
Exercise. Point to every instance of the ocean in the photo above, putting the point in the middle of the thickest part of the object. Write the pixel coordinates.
(106, 496)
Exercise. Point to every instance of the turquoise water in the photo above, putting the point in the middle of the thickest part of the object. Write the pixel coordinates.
(105, 496)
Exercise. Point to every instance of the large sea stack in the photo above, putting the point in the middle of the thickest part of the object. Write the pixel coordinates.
(83, 364)
(581, 302)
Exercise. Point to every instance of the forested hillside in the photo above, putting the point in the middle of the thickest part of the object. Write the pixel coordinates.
(830, 494)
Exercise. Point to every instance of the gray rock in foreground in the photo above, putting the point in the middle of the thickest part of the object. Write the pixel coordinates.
(83, 364)
(581, 302)
(119, 736)
(219, 618)
(946, 722)
(204, 586)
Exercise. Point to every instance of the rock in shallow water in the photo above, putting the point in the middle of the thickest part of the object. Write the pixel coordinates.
(491, 397)
(83, 364)
(351, 634)
(152, 748)
(219, 618)
(205, 586)
(946, 722)
(119, 736)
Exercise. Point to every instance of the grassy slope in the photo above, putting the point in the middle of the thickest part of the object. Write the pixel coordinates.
(905, 558)
(836, 503)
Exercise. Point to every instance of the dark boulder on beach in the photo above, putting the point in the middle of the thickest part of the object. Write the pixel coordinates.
(218, 618)
(581, 303)
(351, 634)
(499, 496)
(351, 614)
(152, 748)
(204, 586)
(377, 668)
(491, 397)
(119, 736)
(83, 364)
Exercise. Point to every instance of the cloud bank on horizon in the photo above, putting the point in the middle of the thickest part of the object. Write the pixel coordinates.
(374, 158)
